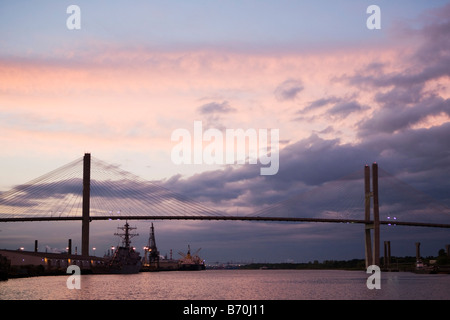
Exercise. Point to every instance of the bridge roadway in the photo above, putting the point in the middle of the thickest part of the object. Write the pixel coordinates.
(235, 218)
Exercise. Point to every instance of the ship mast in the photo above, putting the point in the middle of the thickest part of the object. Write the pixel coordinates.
(127, 235)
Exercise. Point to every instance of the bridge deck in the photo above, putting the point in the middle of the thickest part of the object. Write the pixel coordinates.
(235, 218)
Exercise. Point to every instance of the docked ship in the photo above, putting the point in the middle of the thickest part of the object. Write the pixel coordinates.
(153, 261)
(125, 259)
(191, 262)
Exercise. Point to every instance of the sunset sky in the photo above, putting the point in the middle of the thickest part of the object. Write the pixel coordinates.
(341, 95)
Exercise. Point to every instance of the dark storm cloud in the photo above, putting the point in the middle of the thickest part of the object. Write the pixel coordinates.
(405, 100)
(401, 95)
(214, 186)
(323, 178)
(126, 196)
(434, 54)
(333, 107)
(414, 150)
(216, 107)
(342, 110)
(288, 90)
(314, 161)
(320, 103)
(303, 165)
(395, 116)
(27, 195)
(430, 61)
(310, 163)
(213, 112)
(408, 102)
(107, 189)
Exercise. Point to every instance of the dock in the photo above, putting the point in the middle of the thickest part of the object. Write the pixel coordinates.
(20, 263)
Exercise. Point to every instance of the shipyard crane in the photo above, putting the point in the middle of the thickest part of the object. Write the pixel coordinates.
(151, 249)
(189, 252)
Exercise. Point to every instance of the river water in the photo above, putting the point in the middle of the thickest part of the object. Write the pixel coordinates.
(232, 285)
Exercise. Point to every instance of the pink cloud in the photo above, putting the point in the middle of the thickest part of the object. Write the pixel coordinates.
(134, 98)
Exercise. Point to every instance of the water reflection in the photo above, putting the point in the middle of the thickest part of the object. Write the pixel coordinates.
(232, 284)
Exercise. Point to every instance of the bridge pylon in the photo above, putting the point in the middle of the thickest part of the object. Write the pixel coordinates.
(86, 204)
(372, 252)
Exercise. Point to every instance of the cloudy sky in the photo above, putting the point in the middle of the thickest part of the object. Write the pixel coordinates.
(341, 96)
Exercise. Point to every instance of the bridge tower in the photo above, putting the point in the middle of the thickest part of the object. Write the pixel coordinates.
(86, 204)
(372, 254)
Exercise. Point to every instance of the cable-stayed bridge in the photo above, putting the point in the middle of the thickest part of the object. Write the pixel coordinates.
(89, 189)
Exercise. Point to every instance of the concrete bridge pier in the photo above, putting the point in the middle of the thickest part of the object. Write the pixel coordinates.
(86, 204)
(372, 251)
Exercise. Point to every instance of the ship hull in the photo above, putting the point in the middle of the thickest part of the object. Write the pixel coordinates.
(124, 261)
(127, 269)
(192, 267)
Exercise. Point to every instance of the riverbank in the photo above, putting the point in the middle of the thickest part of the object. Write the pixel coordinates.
(405, 264)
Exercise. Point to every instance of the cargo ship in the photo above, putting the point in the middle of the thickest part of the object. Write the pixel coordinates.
(191, 262)
(125, 259)
(153, 261)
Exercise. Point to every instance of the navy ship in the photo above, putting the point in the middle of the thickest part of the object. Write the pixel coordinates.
(125, 259)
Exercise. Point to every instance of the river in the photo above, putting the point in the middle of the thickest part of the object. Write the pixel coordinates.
(232, 285)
